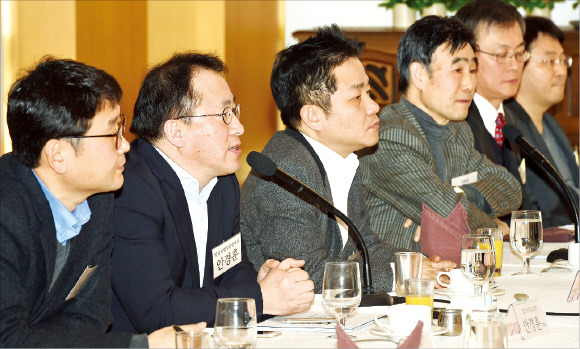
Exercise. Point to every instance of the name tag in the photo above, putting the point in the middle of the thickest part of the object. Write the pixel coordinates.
(81, 282)
(227, 255)
(527, 318)
(465, 179)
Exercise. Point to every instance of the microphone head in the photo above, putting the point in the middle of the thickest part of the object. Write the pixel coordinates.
(511, 133)
(261, 163)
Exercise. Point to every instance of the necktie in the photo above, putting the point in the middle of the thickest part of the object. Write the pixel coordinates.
(499, 122)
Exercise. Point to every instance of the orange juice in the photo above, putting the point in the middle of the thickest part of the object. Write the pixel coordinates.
(498, 256)
(420, 299)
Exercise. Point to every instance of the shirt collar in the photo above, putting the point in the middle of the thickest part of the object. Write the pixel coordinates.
(189, 182)
(488, 112)
(332, 161)
(67, 224)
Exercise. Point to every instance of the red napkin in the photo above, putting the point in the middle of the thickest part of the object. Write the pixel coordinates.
(414, 338)
(442, 236)
(342, 339)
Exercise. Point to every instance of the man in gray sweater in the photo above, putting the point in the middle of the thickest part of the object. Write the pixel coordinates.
(425, 154)
(322, 91)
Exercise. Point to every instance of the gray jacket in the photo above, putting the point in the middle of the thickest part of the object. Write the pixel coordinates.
(277, 224)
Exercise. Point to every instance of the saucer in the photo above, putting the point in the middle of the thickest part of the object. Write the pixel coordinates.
(565, 265)
(397, 336)
(447, 292)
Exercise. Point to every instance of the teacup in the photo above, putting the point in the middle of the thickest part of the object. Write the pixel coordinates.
(458, 283)
(402, 318)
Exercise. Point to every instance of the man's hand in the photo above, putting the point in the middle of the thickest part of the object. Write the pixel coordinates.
(286, 289)
(502, 225)
(407, 225)
(165, 337)
(433, 265)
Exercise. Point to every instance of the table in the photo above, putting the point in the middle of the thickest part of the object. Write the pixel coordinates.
(549, 286)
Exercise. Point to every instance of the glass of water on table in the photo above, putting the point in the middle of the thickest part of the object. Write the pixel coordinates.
(235, 323)
(477, 259)
(526, 236)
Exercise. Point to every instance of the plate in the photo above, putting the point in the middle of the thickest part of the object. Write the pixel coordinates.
(385, 332)
(565, 265)
(447, 292)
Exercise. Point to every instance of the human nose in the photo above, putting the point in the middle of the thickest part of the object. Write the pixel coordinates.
(560, 68)
(513, 63)
(236, 127)
(125, 146)
(371, 107)
(469, 81)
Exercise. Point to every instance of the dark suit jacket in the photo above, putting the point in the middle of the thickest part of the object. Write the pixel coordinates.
(541, 191)
(155, 269)
(31, 314)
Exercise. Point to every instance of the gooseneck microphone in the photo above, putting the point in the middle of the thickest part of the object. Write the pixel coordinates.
(515, 136)
(267, 168)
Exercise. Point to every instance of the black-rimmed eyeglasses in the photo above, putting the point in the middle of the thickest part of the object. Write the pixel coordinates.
(227, 115)
(119, 134)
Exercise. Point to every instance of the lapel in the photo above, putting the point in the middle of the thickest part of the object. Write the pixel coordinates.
(174, 196)
(215, 230)
(484, 142)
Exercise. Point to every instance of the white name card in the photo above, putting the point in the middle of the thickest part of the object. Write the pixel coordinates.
(575, 290)
(227, 255)
(465, 179)
(527, 318)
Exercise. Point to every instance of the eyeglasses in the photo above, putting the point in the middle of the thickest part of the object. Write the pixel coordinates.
(505, 57)
(227, 115)
(119, 134)
(563, 60)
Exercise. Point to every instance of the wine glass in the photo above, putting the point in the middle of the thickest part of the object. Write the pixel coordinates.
(485, 330)
(341, 289)
(477, 259)
(235, 323)
(526, 236)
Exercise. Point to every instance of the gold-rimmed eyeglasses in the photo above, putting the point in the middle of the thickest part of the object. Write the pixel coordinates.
(507, 57)
(119, 134)
(564, 60)
(227, 115)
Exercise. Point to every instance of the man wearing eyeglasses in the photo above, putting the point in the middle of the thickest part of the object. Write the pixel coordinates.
(56, 224)
(501, 54)
(177, 243)
(543, 83)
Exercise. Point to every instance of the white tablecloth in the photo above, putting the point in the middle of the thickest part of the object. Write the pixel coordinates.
(551, 287)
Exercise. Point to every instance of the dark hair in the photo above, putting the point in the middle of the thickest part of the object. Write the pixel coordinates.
(537, 25)
(303, 73)
(55, 99)
(168, 92)
(489, 12)
(423, 38)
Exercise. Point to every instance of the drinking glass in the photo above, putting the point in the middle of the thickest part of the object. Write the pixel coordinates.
(477, 259)
(485, 330)
(526, 236)
(341, 289)
(407, 265)
(497, 235)
(235, 323)
(191, 339)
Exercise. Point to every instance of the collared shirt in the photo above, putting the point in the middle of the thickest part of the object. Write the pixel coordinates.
(67, 224)
(488, 112)
(197, 206)
(340, 172)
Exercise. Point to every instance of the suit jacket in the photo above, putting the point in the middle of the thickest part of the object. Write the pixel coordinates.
(541, 191)
(278, 224)
(155, 269)
(31, 313)
(400, 174)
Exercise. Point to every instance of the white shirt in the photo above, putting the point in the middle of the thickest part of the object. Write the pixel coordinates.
(197, 206)
(340, 172)
(488, 112)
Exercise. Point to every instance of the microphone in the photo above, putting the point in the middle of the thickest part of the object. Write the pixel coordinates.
(515, 136)
(266, 167)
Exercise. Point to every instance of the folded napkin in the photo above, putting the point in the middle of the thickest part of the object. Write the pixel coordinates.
(442, 236)
(342, 339)
(413, 341)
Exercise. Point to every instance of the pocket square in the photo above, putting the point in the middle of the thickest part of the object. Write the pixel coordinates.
(442, 236)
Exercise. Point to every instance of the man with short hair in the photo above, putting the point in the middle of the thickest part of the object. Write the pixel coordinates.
(424, 145)
(56, 229)
(322, 91)
(177, 216)
(501, 54)
(543, 83)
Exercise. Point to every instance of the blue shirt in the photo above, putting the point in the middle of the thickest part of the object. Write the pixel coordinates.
(67, 224)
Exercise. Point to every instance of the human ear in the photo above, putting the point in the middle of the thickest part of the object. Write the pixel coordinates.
(174, 133)
(311, 116)
(52, 154)
(419, 75)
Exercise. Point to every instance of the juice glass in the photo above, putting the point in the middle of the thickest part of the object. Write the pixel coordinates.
(497, 235)
(420, 292)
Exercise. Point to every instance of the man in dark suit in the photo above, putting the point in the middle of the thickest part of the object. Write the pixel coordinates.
(543, 83)
(177, 244)
(56, 230)
(501, 54)
(425, 154)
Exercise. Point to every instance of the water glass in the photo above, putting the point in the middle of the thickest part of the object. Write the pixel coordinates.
(341, 289)
(191, 339)
(497, 235)
(235, 323)
(407, 265)
(526, 236)
(477, 259)
(485, 330)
